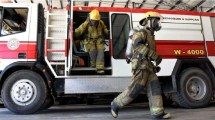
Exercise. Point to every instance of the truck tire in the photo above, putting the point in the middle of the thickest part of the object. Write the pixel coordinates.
(1, 103)
(24, 92)
(47, 103)
(194, 89)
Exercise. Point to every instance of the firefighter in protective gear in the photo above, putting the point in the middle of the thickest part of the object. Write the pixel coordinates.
(143, 54)
(94, 31)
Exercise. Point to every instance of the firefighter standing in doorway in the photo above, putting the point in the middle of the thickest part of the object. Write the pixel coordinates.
(94, 31)
(141, 52)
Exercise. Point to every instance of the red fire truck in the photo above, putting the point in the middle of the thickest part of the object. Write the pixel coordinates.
(39, 63)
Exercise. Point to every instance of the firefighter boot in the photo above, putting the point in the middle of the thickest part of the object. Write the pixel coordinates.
(162, 116)
(100, 71)
(114, 109)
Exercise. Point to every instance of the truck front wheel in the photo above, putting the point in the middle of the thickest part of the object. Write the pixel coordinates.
(24, 92)
(194, 89)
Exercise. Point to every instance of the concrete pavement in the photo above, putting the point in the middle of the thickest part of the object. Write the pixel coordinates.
(102, 112)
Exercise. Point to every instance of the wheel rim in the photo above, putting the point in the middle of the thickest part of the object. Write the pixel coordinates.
(196, 88)
(23, 92)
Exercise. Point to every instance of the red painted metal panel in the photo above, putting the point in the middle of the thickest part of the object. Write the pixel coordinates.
(179, 12)
(46, 52)
(211, 48)
(166, 48)
(181, 49)
(102, 9)
(24, 47)
(31, 52)
(66, 48)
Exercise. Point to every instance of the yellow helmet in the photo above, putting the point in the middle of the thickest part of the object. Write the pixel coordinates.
(94, 15)
(148, 15)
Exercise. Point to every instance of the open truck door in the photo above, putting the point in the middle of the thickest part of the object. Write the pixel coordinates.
(120, 27)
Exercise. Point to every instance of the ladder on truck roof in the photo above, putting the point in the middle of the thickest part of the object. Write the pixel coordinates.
(56, 52)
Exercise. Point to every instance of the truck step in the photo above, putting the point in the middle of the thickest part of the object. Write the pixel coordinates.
(88, 71)
(57, 63)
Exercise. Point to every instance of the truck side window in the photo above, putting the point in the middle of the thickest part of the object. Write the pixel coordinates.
(120, 31)
(14, 21)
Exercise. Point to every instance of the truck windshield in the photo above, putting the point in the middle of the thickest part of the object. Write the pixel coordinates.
(14, 21)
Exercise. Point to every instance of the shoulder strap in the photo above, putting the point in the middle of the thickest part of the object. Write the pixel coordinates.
(145, 33)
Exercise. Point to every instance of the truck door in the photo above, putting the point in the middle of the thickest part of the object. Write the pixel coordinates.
(209, 35)
(14, 33)
(120, 27)
(1, 16)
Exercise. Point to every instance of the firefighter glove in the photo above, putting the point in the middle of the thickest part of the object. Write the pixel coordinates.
(157, 69)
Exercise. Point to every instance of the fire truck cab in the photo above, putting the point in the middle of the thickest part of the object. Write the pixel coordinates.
(40, 60)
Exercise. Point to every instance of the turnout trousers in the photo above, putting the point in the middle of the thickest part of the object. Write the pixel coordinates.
(143, 79)
(96, 51)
